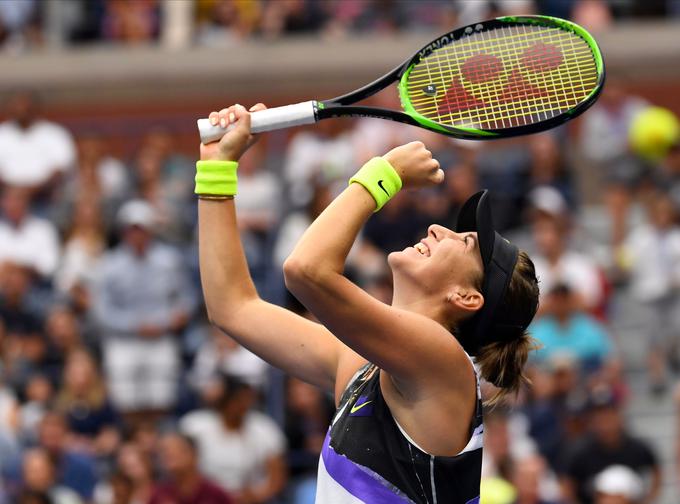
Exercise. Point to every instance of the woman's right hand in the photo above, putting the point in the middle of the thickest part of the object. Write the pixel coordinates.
(236, 141)
(415, 165)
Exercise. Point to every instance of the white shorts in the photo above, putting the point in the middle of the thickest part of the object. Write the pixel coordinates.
(142, 374)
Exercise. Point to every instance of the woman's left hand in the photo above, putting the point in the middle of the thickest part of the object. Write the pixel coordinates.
(415, 165)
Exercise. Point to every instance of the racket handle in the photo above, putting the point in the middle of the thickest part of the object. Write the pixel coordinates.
(264, 120)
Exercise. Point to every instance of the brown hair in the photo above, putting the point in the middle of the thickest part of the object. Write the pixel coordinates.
(502, 362)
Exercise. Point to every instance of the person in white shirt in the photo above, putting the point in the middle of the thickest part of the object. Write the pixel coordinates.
(25, 239)
(241, 449)
(557, 264)
(34, 152)
(651, 254)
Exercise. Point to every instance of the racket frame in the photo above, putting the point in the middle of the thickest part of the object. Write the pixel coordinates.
(341, 106)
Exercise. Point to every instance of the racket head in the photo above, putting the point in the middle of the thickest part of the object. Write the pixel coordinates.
(508, 76)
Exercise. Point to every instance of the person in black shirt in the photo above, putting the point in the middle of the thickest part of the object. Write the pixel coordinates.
(609, 443)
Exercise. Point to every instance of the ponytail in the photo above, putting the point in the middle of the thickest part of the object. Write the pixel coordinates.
(501, 363)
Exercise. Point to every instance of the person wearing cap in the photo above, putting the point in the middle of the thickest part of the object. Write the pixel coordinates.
(142, 299)
(609, 442)
(409, 422)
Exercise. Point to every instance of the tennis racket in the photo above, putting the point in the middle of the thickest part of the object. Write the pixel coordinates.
(499, 78)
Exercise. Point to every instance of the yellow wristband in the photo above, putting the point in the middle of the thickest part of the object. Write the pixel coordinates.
(217, 178)
(380, 179)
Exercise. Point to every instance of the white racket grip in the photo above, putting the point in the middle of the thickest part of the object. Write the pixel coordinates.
(264, 120)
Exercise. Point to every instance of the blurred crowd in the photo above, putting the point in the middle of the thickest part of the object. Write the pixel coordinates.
(114, 388)
(29, 24)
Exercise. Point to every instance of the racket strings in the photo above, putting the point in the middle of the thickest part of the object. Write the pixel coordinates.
(507, 77)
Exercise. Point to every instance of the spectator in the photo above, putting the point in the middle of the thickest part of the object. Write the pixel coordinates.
(533, 483)
(240, 449)
(566, 329)
(34, 153)
(141, 300)
(603, 141)
(73, 469)
(19, 24)
(221, 355)
(84, 245)
(652, 256)
(308, 414)
(185, 484)
(82, 399)
(64, 336)
(258, 210)
(609, 443)
(24, 238)
(37, 399)
(161, 180)
(291, 17)
(39, 475)
(547, 167)
(25, 345)
(230, 22)
(131, 22)
(132, 480)
(557, 262)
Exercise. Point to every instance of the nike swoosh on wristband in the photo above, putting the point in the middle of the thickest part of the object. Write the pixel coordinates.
(380, 184)
(357, 407)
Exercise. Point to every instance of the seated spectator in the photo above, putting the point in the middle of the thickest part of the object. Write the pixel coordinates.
(160, 179)
(74, 469)
(82, 399)
(566, 329)
(62, 329)
(557, 262)
(132, 480)
(308, 414)
(258, 211)
(547, 167)
(142, 299)
(229, 23)
(37, 401)
(26, 239)
(24, 344)
(533, 482)
(240, 449)
(40, 475)
(609, 443)
(85, 242)
(185, 484)
(652, 257)
(100, 176)
(34, 152)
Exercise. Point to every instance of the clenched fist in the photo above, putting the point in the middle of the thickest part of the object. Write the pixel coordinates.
(415, 165)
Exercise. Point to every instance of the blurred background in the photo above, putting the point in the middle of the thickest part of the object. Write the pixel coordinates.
(113, 387)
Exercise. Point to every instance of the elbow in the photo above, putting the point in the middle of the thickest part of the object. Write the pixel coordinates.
(300, 275)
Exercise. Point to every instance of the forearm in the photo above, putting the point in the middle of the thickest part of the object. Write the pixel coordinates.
(225, 278)
(324, 247)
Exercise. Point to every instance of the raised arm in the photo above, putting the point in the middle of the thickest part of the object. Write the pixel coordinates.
(294, 344)
(407, 343)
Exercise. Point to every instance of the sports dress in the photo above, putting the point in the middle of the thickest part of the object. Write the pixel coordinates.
(368, 458)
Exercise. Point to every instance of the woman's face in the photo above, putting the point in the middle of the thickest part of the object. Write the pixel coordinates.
(442, 259)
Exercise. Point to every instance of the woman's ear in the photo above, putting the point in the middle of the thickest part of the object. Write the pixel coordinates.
(465, 300)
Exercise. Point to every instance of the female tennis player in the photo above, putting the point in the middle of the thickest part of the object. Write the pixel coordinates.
(409, 423)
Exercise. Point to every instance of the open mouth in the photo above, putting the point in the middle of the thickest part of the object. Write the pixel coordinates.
(422, 248)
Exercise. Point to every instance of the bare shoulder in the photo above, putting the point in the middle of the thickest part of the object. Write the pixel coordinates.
(435, 414)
